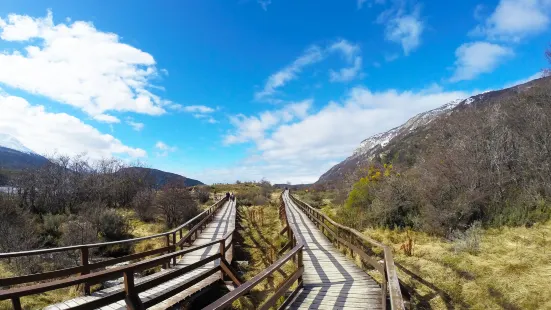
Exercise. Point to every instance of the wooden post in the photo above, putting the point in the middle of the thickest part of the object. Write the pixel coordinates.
(300, 264)
(84, 262)
(133, 301)
(167, 264)
(16, 303)
(174, 248)
(384, 287)
(181, 236)
(222, 254)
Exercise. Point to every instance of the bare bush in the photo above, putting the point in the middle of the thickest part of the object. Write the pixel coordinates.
(143, 205)
(469, 240)
(175, 206)
(17, 227)
(202, 194)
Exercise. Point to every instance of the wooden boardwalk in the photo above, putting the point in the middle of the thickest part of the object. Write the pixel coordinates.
(222, 223)
(331, 280)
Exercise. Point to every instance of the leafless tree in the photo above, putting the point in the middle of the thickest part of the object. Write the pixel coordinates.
(175, 206)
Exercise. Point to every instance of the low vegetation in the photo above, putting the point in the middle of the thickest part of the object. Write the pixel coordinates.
(73, 201)
(260, 226)
(497, 268)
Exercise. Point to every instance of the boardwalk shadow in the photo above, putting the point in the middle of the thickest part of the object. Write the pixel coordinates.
(349, 280)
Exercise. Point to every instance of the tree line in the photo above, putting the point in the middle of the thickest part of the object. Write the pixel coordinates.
(489, 164)
(74, 200)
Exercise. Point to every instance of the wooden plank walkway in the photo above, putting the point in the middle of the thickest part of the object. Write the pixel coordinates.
(222, 223)
(331, 280)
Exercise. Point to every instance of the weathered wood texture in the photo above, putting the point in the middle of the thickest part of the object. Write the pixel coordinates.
(369, 251)
(331, 280)
(296, 246)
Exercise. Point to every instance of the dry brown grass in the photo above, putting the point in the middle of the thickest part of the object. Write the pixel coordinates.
(512, 269)
(261, 242)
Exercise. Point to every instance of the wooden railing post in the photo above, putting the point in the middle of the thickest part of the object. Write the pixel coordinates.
(300, 264)
(16, 303)
(384, 286)
(132, 299)
(222, 256)
(174, 248)
(84, 260)
(167, 264)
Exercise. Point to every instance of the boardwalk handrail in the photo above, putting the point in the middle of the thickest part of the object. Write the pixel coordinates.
(131, 290)
(356, 242)
(296, 244)
(207, 212)
(89, 277)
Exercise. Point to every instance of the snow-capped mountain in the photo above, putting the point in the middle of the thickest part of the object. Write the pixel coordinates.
(374, 144)
(11, 142)
(419, 120)
(397, 139)
(14, 155)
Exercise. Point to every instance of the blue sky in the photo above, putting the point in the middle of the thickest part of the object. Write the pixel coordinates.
(243, 90)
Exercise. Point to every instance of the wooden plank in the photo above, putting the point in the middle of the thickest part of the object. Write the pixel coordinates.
(190, 271)
(330, 279)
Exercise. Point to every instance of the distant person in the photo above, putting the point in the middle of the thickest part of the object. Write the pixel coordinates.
(228, 195)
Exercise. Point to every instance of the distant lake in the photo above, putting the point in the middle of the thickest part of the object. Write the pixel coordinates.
(7, 189)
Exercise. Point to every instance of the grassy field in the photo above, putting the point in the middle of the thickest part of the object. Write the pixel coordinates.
(505, 268)
(510, 270)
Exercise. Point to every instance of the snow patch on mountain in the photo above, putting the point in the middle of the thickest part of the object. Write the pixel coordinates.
(11, 142)
(382, 139)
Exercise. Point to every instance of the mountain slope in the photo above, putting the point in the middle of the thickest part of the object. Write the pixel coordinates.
(407, 137)
(15, 156)
(161, 178)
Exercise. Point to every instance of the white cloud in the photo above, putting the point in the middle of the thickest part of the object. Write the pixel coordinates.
(164, 148)
(513, 20)
(479, 11)
(106, 118)
(264, 4)
(348, 50)
(197, 109)
(253, 128)
(477, 58)
(312, 55)
(350, 53)
(405, 29)
(135, 125)
(347, 74)
(78, 65)
(302, 149)
(46, 132)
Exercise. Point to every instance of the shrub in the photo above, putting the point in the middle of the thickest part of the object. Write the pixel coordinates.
(469, 240)
(78, 231)
(53, 228)
(143, 205)
(202, 194)
(176, 206)
(112, 226)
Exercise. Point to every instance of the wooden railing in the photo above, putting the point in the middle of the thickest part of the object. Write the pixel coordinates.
(357, 243)
(296, 245)
(88, 274)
